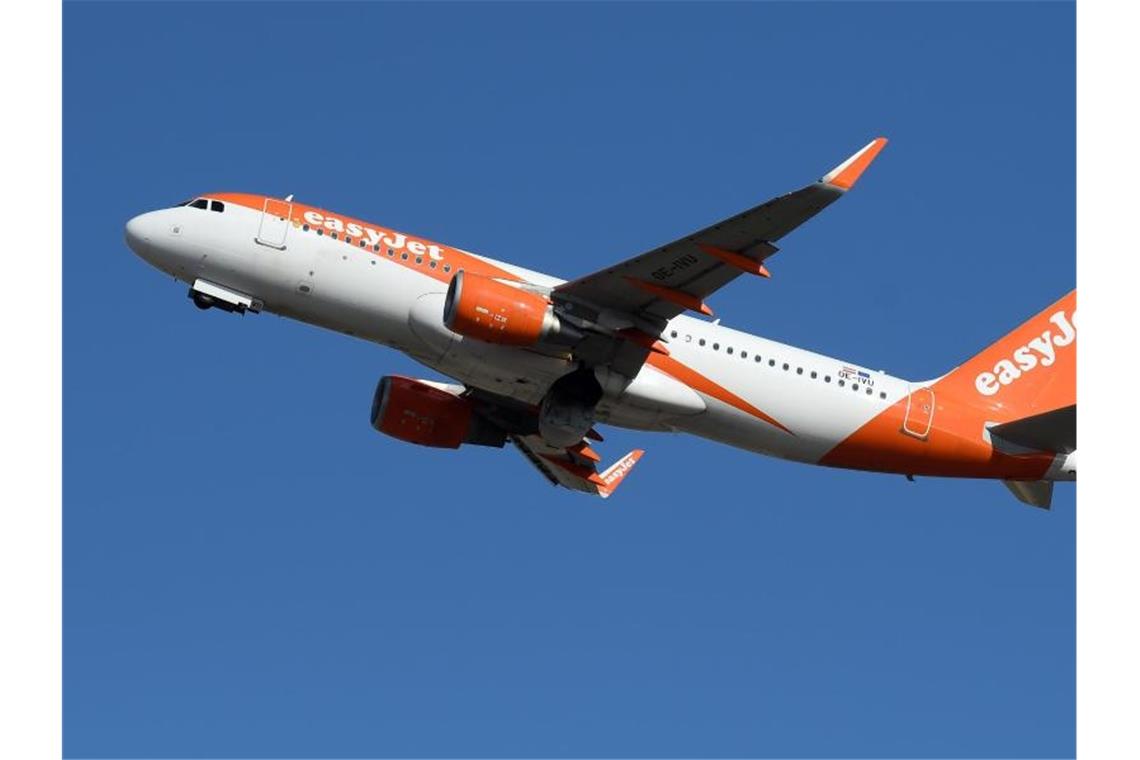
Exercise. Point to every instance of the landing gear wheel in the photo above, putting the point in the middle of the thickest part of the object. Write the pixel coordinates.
(201, 300)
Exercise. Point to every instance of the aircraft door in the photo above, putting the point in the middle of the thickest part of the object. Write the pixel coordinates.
(274, 225)
(919, 416)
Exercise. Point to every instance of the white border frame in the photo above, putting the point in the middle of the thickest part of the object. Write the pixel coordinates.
(1108, 518)
(31, 385)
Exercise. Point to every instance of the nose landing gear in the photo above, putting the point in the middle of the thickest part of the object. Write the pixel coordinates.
(207, 295)
(201, 300)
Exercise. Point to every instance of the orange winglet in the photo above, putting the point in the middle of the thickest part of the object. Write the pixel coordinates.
(673, 295)
(616, 473)
(740, 261)
(845, 175)
(643, 339)
(606, 482)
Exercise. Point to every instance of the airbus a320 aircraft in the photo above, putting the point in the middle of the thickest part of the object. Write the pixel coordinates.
(541, 361)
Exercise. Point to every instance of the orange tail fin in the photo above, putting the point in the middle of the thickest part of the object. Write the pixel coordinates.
(1029, 371)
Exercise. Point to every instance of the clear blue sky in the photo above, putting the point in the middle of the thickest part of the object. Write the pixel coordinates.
(250, 570)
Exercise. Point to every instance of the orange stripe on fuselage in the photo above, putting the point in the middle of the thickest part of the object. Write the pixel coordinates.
(450, 260)
(955, 445)
(699, 382)
(953, 448)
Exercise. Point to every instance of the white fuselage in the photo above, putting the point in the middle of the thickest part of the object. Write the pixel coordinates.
(711, 381)
(387, 300)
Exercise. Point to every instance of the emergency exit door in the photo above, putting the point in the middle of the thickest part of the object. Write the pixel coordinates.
(274, 223)
(919, 418)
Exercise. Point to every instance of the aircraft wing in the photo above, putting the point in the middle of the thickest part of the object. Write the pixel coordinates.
(656, 286)
(575, 467)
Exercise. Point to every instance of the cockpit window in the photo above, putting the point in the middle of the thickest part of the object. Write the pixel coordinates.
(217, 206)
(198, 203)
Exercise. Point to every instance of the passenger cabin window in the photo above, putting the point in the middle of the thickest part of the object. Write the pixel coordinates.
(217, 206)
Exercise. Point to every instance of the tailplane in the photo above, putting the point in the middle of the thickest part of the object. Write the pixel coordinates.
(1035, 493)
(1054, 431)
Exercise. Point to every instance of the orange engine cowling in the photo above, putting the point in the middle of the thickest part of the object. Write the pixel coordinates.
(485, 309)
(417, 412)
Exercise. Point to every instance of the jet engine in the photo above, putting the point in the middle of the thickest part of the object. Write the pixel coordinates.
(489, 310)
(429, 414)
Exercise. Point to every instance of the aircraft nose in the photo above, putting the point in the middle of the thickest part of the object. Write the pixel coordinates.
(136, 233)
(142, 234)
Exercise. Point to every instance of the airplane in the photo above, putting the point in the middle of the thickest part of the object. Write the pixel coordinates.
(541, 362)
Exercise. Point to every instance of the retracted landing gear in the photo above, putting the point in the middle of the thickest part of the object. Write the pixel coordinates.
(201, 300)
(208, 295)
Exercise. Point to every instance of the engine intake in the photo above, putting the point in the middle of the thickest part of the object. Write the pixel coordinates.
(418, 412)
(485, 309)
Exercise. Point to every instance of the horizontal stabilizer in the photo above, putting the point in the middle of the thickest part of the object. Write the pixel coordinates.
(1035, 493)
(1054, 431)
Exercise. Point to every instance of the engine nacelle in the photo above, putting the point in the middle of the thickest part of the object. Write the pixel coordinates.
(419, 412)
(485, 309)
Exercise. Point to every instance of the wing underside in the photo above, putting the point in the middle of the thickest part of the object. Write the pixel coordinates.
(575, 467)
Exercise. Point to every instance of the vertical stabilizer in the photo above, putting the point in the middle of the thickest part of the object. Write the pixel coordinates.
(1030, 371)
